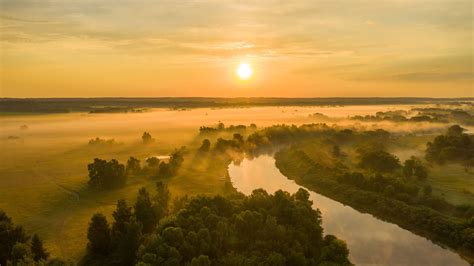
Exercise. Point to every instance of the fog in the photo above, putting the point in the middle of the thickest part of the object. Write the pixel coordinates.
(180, 126)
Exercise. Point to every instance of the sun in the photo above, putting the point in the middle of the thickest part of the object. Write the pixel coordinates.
(244, 71)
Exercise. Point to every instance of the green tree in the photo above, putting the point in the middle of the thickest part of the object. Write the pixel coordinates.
(205, 146)
(153, 162)
(133, 166)
(427, 190)
(164, 170)
(414, 167)
(99, 235)
(454, 146)
(106, 174)
(10, 234)
(122, 215)
(37, 249)
(378, 161)
(161, 200)
(335, 251)
(144, 211)
(128, 241)
(20, 254)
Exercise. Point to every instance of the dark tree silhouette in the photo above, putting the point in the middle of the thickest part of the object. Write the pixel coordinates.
(99, 235)
(153, 162)
(106, 174)
(122, 215)
(144, 211)
(147, 138)
(127, 242)
(454, 146)
(161, 200)
(378, 161)
(10, 234)
(133, 166)
(414, 167)
(37, 249)
(205, 146)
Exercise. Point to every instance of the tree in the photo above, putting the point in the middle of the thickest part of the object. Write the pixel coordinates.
(144, 211)
(378, 161)
(205, 146)
(335, 251)
(164, 170)
(455, 130)
(37, 249)
(122, 215)
(99, 235)
(128, 241)
(260, 229)
(153, 162)
(176, 159)
(10, 234)
(147, 138)
(161, 200)
(414, 167)
(106, 174)
(133, 166)
(454, 146)
(427, 190)
(20, 254)
(238, 138)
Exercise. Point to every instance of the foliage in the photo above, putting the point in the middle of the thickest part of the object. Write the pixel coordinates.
(15, 247)
(378, 161)
(37, 249)
(205, 146)
(143, 210)
(260, 229)
(414, 167)
(152, 162)
(147, 138)
(279, 229)
(172, 166)
(133, 166)
(99, 235)
(454, 146)
(106, 174)
(391, 198)
(10, 234)
(98, 141)
(161, 200)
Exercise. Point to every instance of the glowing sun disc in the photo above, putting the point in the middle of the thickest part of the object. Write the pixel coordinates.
(244, 71)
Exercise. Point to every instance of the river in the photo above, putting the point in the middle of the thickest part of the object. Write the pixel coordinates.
(370, 241)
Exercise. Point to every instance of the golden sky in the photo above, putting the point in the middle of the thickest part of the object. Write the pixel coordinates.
(301, 48)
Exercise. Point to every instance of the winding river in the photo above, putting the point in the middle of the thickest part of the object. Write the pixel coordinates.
(370, 241)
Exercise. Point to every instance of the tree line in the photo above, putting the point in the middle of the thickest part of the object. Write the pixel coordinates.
(260, 229)
(112, 174)
(19, 248)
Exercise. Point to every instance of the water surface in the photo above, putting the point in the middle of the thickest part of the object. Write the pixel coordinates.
(371, 241)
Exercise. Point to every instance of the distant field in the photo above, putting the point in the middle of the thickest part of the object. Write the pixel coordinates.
(113, 105)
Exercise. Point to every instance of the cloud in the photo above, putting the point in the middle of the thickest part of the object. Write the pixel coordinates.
(434, 76)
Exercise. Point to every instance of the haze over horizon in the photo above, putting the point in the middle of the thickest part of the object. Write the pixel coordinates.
(194, 48)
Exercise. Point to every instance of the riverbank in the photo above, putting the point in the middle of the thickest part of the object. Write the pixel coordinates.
(447, 231)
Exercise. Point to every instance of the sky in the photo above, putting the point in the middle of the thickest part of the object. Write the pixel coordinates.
(301, 48)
